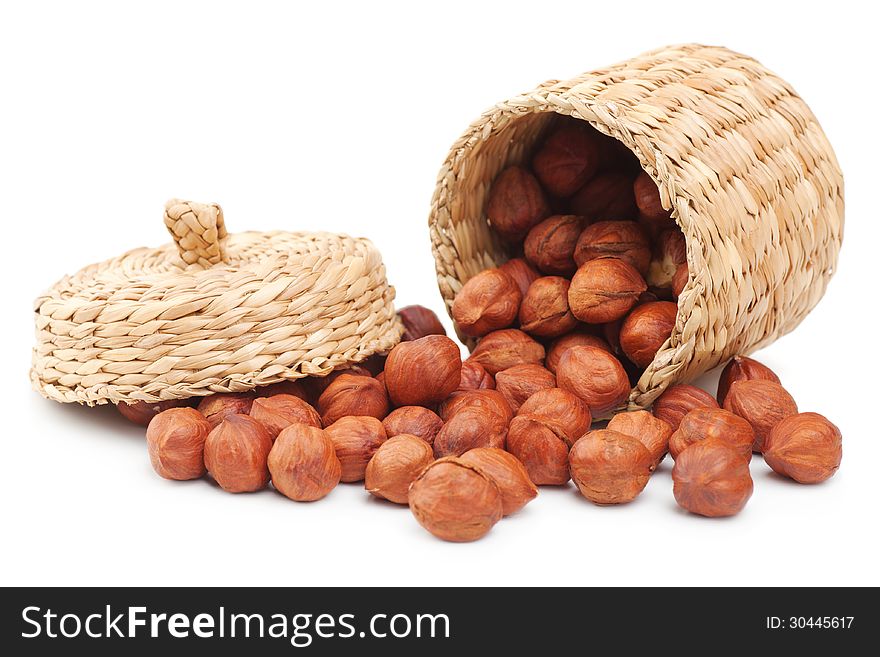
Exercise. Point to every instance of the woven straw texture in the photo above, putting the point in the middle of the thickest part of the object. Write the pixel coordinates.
(211, 313)
(739, 159)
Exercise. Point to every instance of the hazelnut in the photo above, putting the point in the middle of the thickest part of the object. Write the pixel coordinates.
(741, 368)
(608, 196)
(303, 463)
(805, 447)
(488, 401)
(711, 479)
(550, 245)
(142, 413)
(423, 372)
(569, 340)
(544, 311)
(455, 501)
(176, 443)
(763, 403)
(645, 330)
(469, 428)
(567, 159)
(503, 349)
(617, 239)
(548, 423)
(316, 385)
(680, 279)
(713, 424)
(516, 203)
(293, 387)
(217, 407)
(418, 322)
(235, 454)
(413, 420)
(507, 472)
(670, 251)
(604, 289)
(280, 411)
(395, 465)
(651, 431)
(487, 302)
(521, 272)
(380, 377)
(595, 376)
(610, 467)
(475, 377)
(519, 383)
(647, 198)
(353, 394)
(679, 400)
(356, 439)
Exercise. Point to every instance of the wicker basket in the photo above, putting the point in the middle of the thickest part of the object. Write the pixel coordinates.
(211, 313)
(738, 158)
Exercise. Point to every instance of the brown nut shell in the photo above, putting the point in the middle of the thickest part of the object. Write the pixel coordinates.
(418, 322)
(296, 387)
(670, 251)
(610, 467)
(677, 401)
(742, 368)
(516, 203)
(804, 447)
(645, 330)
(503, 349)
(713, 424)
(763, 403)
(550, 245)
(651, 431)
(521, 272)
(560, 409)
(595, 376)
(711, 479)
(217, 407)
(680, 279)
(280, 411)
(413, 420)
(395, 465)
(574, 339)
(487, 302)
(236, 451)
(519, 383)
(487, 401)
(608, 196)
(647, 198)
(355, 439)
(303, 463)
(469, 428)
(475, 377)
(423, 372)
(604, 289)
(353, 394)
(176, 443)
(508, 473)
(143, 412)
(540, 446)
(617, 239)
(569, 157)
(544, 310)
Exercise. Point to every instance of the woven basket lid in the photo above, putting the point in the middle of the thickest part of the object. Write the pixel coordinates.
(211, 312)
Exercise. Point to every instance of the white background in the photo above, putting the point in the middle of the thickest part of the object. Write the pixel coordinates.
(338, 117)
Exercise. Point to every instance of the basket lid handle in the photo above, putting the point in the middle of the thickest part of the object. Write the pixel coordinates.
(198, 230)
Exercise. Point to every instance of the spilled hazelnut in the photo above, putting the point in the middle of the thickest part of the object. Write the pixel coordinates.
(487, 302)
(303, 463)
(423, 372)
(677, 401)
(469, 428)
(395, 465)
(217, 407)
(413, 420)
(142, 413)
(550, 245)
(763, 403)
(521, 272)
(235, 454)
(608, 196)
(651, 431)
(280, 411)
(353, 394)
(618, 239)
(804, 447)
(516, 203)
(569, 157)
(503, 349)
(714, 424)
(711, 479)
(507, 472)
(544, 310)
(176, 443)
(520, 382)
(645, 330)
(475, 377)
(487, 401)
(418, 322)
(742, 368)
(295, 387)
(595, 376)
(604, 289)
(610, 467)
(574, 339)
(355, 439)
(455, 501)
(316, 385)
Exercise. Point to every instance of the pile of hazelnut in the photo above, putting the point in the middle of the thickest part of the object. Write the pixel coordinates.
(466, 443)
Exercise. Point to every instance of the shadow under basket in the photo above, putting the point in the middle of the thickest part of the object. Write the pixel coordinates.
(739, 159)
